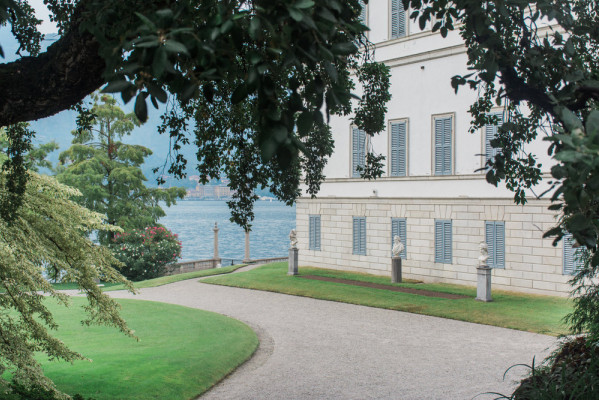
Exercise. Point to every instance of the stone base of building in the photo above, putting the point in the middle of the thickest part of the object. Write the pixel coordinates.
(532, 264)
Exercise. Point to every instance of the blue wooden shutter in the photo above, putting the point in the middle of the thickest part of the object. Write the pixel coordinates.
(358, 150)
(499, 245)
(490, 240)
(363, 13)
(398, 19)
(569, 261)
(398, 149)
(399, 228)
(363, 235)
(490, 134)
(356, 235)
(311, 233)
(317, 232)
(447, 242)
(447, 148)
(439, 148)
(439, 241)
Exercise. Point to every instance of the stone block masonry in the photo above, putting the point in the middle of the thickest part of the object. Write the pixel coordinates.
(532, 264)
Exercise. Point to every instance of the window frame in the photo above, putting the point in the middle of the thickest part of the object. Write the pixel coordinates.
(360, 249)
(406, 21)
(446, 256)
(452, 146)
(568, 240)
(403, 235)
(484, 153)
(314, 233)
(492, 243)
(352, 167)
(390, 124)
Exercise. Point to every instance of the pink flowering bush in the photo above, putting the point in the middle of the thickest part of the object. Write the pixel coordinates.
(146, 253)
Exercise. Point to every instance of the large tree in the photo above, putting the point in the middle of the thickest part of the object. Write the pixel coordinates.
(288, 62)
(108, 171)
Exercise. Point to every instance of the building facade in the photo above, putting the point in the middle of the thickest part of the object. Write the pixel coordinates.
(433, 193)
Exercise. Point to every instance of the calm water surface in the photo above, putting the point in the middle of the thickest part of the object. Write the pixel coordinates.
(193, 222)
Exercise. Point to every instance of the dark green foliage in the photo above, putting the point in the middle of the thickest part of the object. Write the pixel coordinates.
(571, 372)
(16, 391)
(146, 254)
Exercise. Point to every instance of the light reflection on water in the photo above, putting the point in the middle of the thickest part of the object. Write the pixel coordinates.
(193, 222)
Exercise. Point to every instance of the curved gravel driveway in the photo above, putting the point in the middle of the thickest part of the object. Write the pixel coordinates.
(315, 349)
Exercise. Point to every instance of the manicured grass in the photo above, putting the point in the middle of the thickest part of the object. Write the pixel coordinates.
(181, 352)
(163, 280)
(541, 314)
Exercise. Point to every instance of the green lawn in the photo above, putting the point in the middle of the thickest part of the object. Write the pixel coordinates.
(163, 280)
(541, 314)
(181, 353)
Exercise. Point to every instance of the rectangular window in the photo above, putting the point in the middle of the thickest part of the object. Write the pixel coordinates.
(490, 134)
(398, 20)
(398, 148)
(359, 236)
(398, 228)
(572, 261)
(358, 150)
(314, 232)
(443, 242)
(363, 13)
(443, 147)
(495, 238)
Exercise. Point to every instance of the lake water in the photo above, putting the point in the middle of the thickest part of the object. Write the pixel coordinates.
(193, 222)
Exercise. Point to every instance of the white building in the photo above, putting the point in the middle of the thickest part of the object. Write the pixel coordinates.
(431, 194)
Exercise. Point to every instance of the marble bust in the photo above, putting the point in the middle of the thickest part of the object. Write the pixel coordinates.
(293, 239)
(484, 254)
(397, 246)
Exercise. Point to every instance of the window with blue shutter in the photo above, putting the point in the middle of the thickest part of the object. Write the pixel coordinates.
(399, 228)
(495, 239)
(314, 232)
(359, 235)
(358, 150)
(490, 134)
(443, 241)
(443, 147)
(398, 20)
(398, 148)
(363, 13)
(572, 256)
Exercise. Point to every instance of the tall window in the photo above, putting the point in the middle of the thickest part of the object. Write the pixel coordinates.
(443, 241)
(398, 148)
(398, 19)
(572, 261)
(363, 13)
(314, 232)
(398, 228)
(495, 238)
(359, 236)
(490, 134)
(358, 150)
(443, 147)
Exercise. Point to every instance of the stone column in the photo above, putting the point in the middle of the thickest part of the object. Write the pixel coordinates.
(483, 284)
(395, 269)
(483, 272)
(246, 259)
(293, 254)
(216, 258)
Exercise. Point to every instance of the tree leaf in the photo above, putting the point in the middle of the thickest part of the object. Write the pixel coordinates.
(172, 46)
(304, 123)
(117, 86)
(141, 109)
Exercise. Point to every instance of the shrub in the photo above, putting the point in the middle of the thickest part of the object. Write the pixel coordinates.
(146, 253)
(571, 372)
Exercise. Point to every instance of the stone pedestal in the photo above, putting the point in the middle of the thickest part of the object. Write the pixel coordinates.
(246, 258)
(216, 258)
(483, 284)
(292, 262)
(395, 270)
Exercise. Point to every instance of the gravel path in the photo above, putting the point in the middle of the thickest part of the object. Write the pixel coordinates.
(315, 349)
